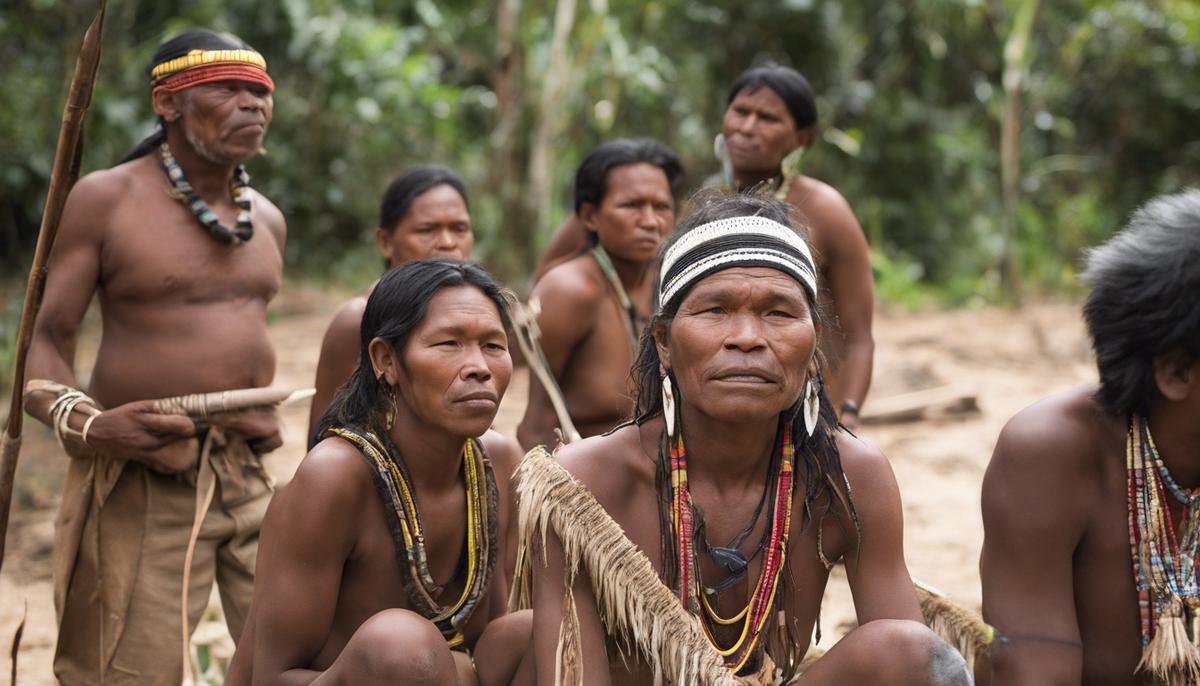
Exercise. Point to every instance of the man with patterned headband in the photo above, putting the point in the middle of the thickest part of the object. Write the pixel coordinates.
(1091, 502)
(693, 544)
(184, 256)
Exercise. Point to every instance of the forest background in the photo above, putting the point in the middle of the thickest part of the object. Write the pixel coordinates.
(983, 144)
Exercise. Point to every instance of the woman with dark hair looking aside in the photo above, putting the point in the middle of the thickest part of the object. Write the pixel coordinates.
(702, 533)
(423, 214)
(387, 555)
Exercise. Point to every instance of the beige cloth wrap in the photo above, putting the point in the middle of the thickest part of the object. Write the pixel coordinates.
(89, 645)
(636, 607)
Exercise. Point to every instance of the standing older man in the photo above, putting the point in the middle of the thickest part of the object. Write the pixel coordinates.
(184, 256)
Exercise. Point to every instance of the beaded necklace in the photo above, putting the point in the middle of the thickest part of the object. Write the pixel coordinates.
(239, 186)
(753, 617)
(1164, 564)
(395, 485)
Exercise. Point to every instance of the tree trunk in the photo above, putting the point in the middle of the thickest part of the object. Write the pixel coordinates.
(546, 127)
(1016, 62)
(505, 169)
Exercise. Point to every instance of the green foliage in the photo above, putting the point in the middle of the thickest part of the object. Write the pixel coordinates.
(910, 96)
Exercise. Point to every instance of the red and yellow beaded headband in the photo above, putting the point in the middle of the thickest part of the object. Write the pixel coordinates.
(207, 66)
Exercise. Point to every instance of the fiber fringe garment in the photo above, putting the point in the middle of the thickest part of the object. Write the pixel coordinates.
(636, 607)
(959, 626)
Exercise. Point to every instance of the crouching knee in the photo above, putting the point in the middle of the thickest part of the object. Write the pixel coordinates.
(399, 646)
(914, 654)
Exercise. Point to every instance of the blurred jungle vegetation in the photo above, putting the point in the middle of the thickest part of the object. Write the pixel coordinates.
(982, 143)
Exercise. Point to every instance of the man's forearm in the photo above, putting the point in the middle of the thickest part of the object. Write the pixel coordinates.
(46, 361)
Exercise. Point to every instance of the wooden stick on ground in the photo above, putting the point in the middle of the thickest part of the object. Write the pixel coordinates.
(66, 170)
(917, 405)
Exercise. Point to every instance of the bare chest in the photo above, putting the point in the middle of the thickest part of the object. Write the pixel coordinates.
(596, 381)
(375, 576)
(155, 250)
(802, 581)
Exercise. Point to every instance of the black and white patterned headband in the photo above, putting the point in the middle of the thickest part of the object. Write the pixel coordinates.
(737, 242)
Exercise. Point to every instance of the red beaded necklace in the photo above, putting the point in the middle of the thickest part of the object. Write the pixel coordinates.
(754, 616)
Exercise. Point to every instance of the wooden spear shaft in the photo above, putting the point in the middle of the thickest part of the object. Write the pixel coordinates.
(66, 170)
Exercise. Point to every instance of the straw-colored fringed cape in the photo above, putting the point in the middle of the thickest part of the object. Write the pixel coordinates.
(636, 607)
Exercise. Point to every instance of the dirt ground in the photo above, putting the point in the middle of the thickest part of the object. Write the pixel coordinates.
(1007, 358)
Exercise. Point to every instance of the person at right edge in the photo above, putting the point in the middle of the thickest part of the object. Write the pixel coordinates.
(1091, 503)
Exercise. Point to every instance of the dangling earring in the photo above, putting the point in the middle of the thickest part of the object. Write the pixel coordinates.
(391, 413)
(812, 407)
(389, 419)
(668, 398)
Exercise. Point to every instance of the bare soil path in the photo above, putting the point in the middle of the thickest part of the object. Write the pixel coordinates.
(1009, 358)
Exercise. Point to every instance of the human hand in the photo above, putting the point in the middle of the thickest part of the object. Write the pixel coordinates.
(260, 426)
(136, 431)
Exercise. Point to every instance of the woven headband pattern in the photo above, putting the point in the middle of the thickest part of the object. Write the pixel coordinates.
(206, 66)
(736, 242)
(197, 58)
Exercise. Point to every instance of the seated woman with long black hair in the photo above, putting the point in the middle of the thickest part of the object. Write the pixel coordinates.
(386, 556)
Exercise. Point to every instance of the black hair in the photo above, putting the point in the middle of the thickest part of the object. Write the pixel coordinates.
(789, 84)
(177, 46)
(591, 179)
(1144, 300)
(410, 185)
(395, 308)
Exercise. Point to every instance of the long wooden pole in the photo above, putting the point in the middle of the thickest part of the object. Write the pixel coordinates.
(67, 158)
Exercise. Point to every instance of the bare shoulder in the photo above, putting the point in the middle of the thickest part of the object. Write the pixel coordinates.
(1058, 438)
(576, 283)
(818, 199)
(832, 226)
(865, 466)
(93, 198)
(612, 464)
(270, 215)
(333, 476)
(504, 453)
(346, 322)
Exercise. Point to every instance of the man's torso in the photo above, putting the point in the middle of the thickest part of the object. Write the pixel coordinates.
(1105, 596)
(182, 313)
